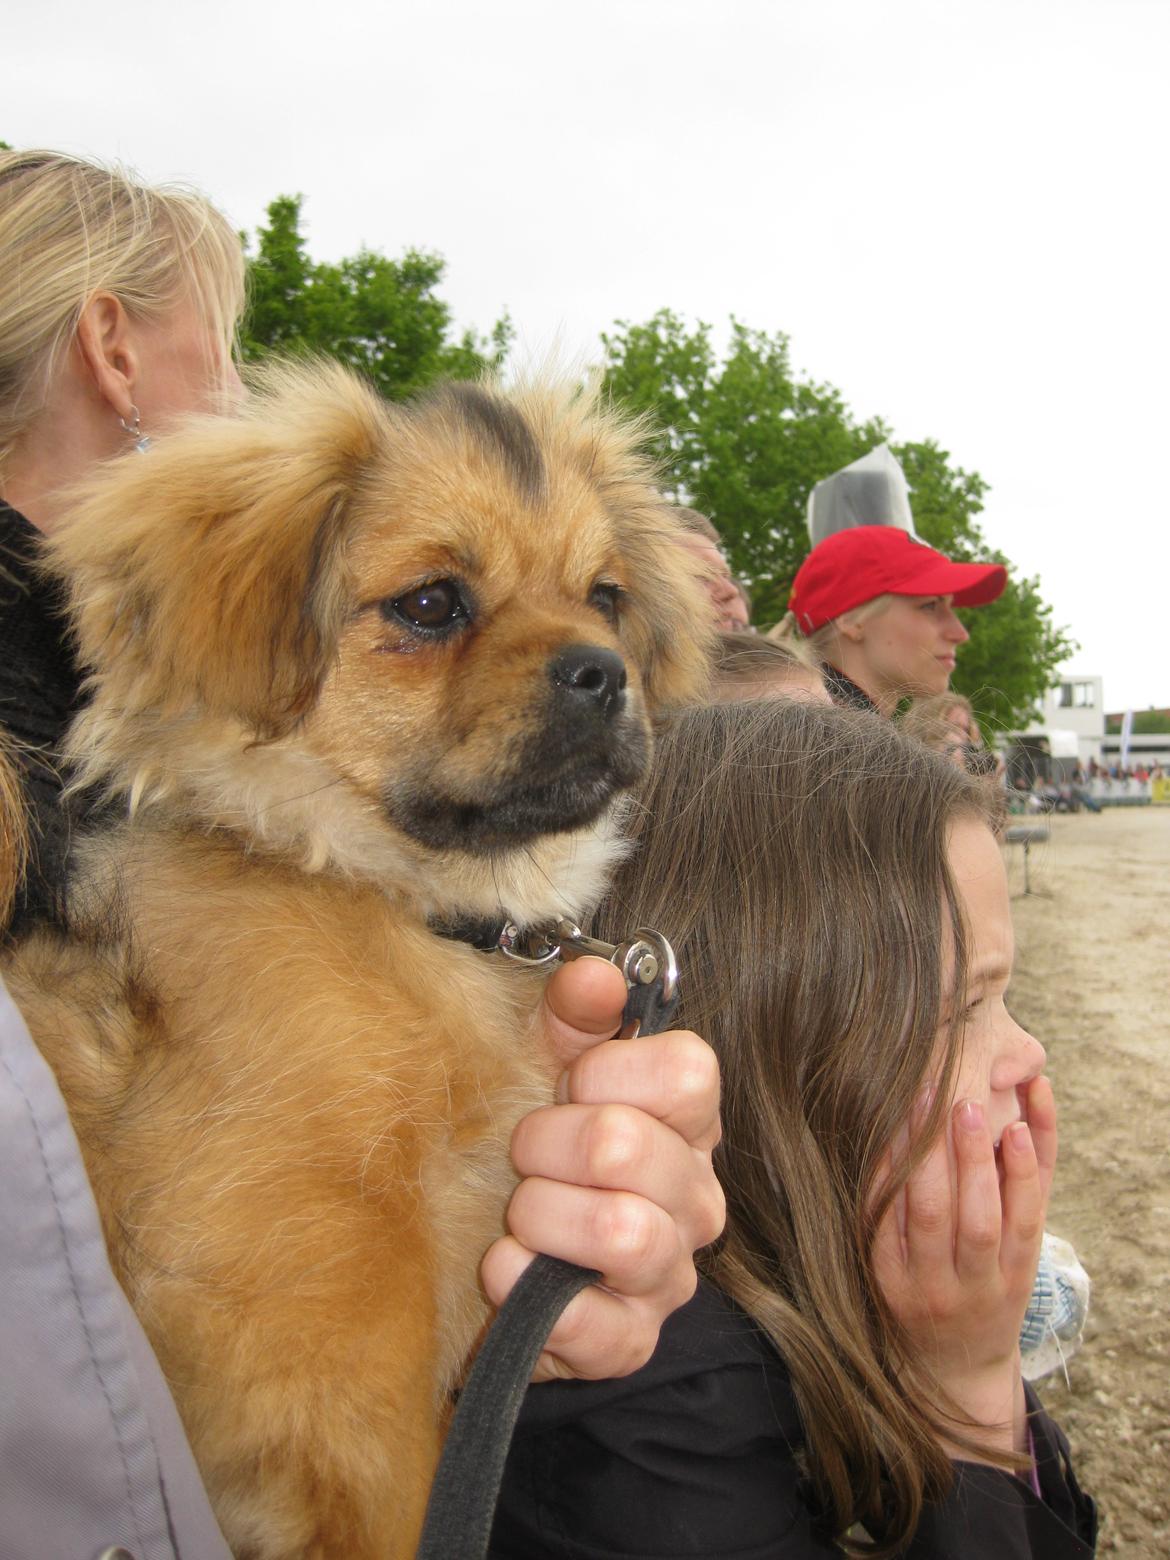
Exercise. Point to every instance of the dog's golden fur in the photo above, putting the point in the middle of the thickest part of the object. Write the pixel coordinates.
(293, 1098)
(14, 830)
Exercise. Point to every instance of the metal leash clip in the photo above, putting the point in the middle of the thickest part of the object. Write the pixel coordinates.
(644, 958)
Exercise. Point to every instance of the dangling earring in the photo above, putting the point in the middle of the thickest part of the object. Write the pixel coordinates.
(142, 441)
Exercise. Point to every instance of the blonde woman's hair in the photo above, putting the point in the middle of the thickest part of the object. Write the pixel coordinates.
(70, 228)
(797, 856)
(822, 642)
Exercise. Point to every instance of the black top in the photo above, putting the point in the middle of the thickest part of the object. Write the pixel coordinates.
(844, 692)
(696, 1455)
(39, 695)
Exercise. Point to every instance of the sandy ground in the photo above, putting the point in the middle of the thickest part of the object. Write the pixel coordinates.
(1093, 983)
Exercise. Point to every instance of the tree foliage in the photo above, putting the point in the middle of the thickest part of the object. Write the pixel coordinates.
(744, 439)
(1146, 723)
(383, 317)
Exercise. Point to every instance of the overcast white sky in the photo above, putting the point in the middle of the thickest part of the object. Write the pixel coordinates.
(956, 209)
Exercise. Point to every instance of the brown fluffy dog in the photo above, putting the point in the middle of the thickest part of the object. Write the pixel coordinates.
(355, 667)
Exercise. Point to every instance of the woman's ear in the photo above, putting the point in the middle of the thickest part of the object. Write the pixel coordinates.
(104, 340)
(849, 628)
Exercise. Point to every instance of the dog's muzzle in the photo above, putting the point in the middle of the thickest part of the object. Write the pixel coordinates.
(590, 745)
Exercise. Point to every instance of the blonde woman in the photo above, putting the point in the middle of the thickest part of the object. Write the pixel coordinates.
(876, 607)
(850, 1380)
(118, 306)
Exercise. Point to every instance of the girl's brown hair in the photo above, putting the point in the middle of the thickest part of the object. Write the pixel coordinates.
(797, 856)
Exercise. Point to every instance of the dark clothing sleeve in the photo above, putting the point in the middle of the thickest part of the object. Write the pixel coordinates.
(696, 1455)
(40, 692)
(992, 1514)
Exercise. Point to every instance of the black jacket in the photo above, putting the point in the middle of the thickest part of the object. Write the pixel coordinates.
(844, 692)
(696, 1455)
(39, 695)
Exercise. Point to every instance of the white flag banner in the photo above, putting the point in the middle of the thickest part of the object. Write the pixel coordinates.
(1126, 733)
(869, 491)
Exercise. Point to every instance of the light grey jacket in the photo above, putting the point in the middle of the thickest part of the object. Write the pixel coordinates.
(92, 1454)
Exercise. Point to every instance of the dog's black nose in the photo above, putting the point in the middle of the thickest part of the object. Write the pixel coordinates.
(590, 673)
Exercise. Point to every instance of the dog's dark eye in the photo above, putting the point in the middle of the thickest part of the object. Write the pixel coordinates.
(434, 607)
(606, 599)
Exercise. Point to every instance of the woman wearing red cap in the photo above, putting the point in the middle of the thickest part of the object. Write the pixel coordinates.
(877, 607)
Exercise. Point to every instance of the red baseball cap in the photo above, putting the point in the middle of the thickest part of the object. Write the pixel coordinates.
(851, 567)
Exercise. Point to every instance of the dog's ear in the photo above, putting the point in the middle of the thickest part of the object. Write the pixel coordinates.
(667, 623)
(206, 572)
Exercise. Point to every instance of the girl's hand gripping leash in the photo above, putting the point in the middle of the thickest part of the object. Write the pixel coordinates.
(467, 1482)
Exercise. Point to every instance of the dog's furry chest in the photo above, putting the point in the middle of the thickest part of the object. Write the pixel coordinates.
(249, 998)
(417, 647)
(295, 1105)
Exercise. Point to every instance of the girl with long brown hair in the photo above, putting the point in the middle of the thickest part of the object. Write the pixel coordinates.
(850, 1377)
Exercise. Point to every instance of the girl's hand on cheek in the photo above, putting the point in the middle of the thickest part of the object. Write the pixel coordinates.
(956, 1255)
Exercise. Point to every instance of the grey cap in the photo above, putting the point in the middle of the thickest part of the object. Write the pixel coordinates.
(869, 491)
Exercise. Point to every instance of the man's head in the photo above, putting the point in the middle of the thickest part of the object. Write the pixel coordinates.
(727, 595)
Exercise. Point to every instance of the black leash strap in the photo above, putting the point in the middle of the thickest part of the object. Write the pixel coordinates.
(467, 1483)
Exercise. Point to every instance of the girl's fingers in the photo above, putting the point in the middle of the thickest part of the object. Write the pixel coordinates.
(1024, 1207)
(977, 1234)
(930, 1224)
(582, 1004)
(621, 1148)
(889, 1251)
(1041, 1119)
(599, 1334)
(672, 1076)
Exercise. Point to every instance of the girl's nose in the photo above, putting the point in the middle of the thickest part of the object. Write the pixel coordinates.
(1021, 1058)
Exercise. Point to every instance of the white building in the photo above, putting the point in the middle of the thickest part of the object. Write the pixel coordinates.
(1069, 728)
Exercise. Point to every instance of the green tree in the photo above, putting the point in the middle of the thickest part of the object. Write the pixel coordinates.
(665, 372)
(744, 439)
(1008, 664)
(1146, 723)
(380, 316)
